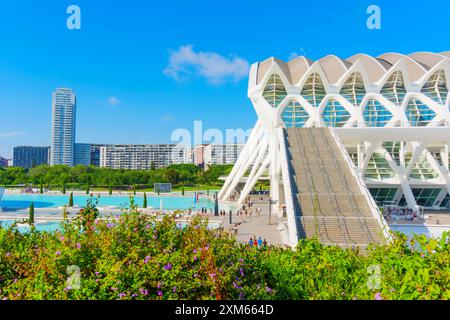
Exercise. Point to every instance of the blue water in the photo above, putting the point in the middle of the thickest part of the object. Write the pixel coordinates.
(11, 202)
(48, 226)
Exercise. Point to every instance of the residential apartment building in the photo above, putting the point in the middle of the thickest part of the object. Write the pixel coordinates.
(28, 157)
(141, 157)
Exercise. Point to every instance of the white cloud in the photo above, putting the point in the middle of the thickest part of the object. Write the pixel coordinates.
(185, 63)
(10, 134)
(167, 117)
(113, 101)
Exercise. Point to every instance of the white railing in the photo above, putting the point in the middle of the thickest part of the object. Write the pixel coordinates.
(290, 212)
(362, 185)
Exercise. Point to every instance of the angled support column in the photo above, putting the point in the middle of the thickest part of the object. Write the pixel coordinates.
(256, 132)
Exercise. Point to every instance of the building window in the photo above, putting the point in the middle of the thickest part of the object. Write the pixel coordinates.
(313, 90)
(294, 115)
(375, 114)
(418, 114)
(383, 196)
(334, 114)
(422, 169)
(274, 92)
(378, 168)
(436, 87)
(353, 89)
(394, 149)
(426, 197)
(394, 88)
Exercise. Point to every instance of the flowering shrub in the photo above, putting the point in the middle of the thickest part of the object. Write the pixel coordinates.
(135, 256)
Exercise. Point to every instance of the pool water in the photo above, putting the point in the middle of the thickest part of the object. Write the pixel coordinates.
(47, 226)
(11, 202)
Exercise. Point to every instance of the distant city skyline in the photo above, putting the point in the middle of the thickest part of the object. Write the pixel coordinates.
(141, 70)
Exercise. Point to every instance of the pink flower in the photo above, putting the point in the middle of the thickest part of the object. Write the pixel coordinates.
(121, 295)
(168, 267)
(62, 239)
(78, 245)
(160, 293)
(143, 292)
(378, 296)
(58, 253)
(8, 254)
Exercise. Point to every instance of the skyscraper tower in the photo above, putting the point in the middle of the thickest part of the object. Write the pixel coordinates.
(63, 127)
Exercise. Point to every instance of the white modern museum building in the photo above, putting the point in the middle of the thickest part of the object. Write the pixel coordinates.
(390, 114)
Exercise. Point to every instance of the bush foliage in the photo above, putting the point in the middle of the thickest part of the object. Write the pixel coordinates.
(135, 256)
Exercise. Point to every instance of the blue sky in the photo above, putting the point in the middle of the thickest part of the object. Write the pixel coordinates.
(135, 85)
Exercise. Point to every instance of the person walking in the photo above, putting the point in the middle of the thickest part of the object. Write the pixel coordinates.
(260, 242)
(255, 242)
(250, 242)
(265, 243)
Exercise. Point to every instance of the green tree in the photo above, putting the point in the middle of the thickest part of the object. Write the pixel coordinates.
(64, 187)
(71, 200)
(41, 189)
(88, 189)
(182, 190)
(65, 212)
(134, 189)
(152, 166)
(31, 214)
(145, 201)
(110, 190)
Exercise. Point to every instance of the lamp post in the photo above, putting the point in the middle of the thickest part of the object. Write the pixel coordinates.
(216, 205)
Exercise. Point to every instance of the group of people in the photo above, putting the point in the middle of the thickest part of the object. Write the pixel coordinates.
(248, 210)
(257, 243)
(400, 213)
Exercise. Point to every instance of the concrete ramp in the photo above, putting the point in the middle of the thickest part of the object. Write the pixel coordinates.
(329, 201)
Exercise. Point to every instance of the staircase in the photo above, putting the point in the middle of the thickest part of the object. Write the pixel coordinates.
(329, 203)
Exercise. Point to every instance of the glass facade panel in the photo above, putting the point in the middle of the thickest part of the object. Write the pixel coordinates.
(422, 169)
(375, 114)
(334, 114)
(313, 90)
(274, 92)
(353, 89)
(294, 115)
(383, 196)
(418, 114)
(394, 148)
(436, 87)
(378, 168)
(394, 89)
(426, 197)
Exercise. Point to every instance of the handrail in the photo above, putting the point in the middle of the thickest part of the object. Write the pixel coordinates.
(340, 178)
(375, 210)
(362, 222)
(326, 178)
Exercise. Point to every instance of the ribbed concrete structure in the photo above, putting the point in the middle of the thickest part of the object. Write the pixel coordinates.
(391, 113)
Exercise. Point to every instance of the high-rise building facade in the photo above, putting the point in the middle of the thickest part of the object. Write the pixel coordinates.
(141, 157)
(95, 154)
(28, 157)
(221, 154)
(3, 162)
(63, 127)
(82, 154)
